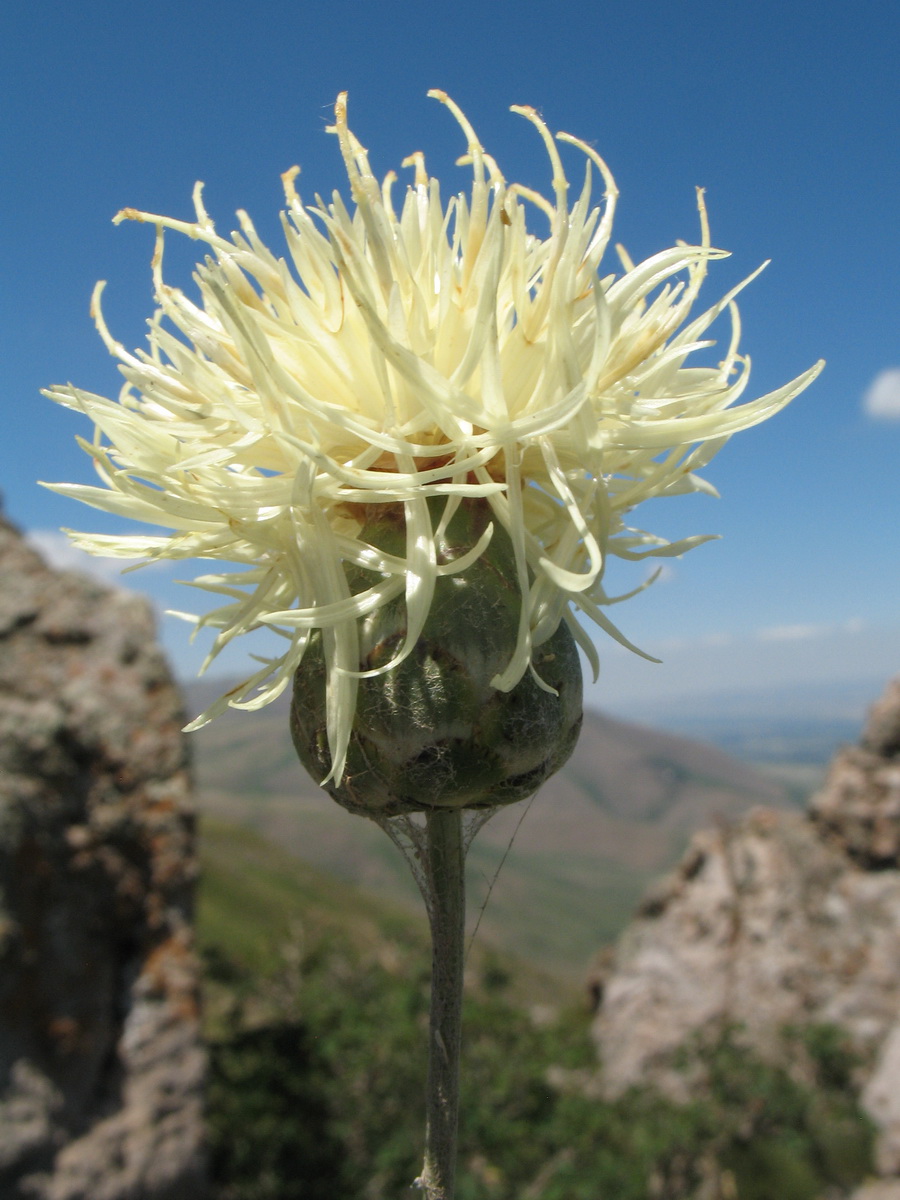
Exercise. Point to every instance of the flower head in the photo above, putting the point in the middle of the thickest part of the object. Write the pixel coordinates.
(411, 357)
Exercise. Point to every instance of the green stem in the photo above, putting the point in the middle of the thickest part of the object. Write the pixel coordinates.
(445, 862)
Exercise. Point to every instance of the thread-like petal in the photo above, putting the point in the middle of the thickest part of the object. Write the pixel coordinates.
(417, 361)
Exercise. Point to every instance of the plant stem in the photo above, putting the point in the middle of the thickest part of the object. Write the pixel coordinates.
(444, 869)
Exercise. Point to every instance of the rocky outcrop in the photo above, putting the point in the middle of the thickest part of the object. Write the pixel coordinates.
(882, 1189)
(101, 1067)
(858, 810)
(781, 920)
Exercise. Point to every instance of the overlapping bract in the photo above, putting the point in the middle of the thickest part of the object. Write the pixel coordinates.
(438, 351)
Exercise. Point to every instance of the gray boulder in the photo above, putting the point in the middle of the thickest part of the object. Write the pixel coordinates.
(780, 920)
(101, 1065)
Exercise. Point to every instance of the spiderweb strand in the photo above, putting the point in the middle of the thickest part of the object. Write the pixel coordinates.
(435, 846)
(409, 834)
(496, 875)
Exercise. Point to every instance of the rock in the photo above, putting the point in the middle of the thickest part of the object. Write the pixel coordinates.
(881, 1100)
(882, 732)
(101, 1065)
(859, 806)
(758, 927)
(879, 1190)
(781, 920)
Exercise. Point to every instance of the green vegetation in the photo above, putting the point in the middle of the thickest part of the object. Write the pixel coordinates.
(317, 1012)
(543, 905)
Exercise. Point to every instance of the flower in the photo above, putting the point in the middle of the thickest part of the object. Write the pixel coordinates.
(438, 351)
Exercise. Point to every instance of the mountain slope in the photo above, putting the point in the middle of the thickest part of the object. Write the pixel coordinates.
(583, 851)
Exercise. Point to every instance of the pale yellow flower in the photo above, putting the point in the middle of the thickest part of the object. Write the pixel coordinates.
(397, 356)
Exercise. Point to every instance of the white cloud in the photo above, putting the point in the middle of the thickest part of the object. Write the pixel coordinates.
(716, 639)
(58, 552)
(667, 644)
(882, 398)
(792, 633)
(802, 633)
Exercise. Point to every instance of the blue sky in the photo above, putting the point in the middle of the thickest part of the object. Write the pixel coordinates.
(786, 114)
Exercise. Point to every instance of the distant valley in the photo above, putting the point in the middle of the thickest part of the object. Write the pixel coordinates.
(801, 724)
(619, 814)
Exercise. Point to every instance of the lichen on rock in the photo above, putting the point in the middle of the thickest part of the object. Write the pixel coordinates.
(101, 1065)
